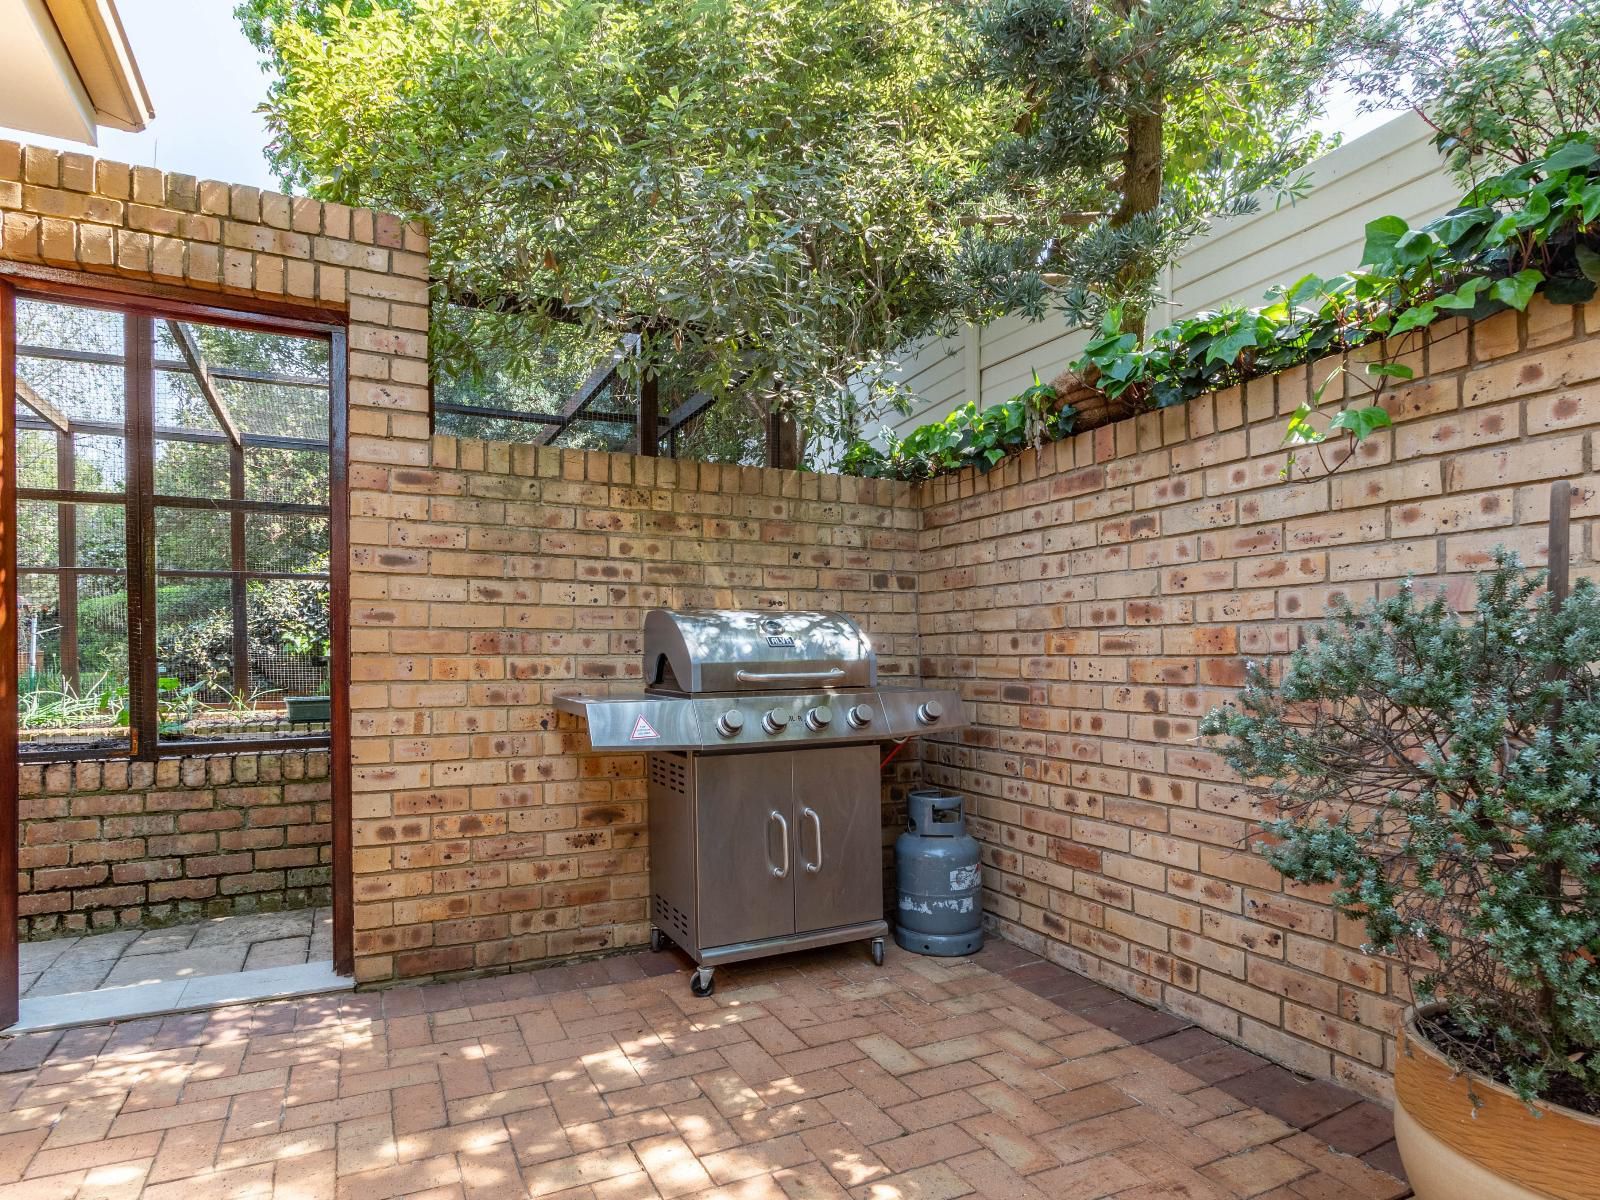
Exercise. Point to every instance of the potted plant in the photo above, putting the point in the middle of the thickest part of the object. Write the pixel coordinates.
(1442, 773)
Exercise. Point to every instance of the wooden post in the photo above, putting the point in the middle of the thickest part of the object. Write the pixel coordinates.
(139, 410)
(239, 591)
(1560, 541)
(9, 965)
(783, 440)
(67, 561)
(649, 412)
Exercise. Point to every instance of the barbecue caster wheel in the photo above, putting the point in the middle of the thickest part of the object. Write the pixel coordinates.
(702, 983)
(877, 952)
(658, 940)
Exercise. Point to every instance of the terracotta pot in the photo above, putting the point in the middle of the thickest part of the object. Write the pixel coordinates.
(1500, 1151)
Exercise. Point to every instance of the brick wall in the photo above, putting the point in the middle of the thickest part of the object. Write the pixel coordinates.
(104, 844)
(1091, 601)
(1094, 601)
(162, 234)
(491, 577)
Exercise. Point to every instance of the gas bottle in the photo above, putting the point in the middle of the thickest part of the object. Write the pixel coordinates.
(940, 886)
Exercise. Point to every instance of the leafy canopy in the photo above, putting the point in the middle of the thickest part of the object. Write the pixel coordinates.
(1142, 121)
(1497, 81)
(754, 185)
(1444, 776)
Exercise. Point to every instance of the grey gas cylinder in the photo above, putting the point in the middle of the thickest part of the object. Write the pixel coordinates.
(940, 887)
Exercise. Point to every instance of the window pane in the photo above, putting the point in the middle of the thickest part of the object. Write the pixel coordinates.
(194, 648)
(96, 532)
(99, 464)
(288, 638)
(192, 469)
(270, 383)
(286, 543)
(36, 457)
(285, 476)
(72, 691)
(193, 539)
(71, 359)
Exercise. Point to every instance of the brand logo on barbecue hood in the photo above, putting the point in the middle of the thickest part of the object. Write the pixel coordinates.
(643, 731)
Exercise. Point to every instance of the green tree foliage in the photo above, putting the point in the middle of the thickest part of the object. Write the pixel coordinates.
(1498, 80)
(755, 185)
(1444, 776)
(1143, 119)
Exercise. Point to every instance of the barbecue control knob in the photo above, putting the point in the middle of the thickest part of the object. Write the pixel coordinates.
(820, 717)
(860, 716)
(776, 720)
(730, 723)
(930, 712)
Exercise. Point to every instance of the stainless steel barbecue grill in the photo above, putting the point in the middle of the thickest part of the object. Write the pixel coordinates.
(761, 732)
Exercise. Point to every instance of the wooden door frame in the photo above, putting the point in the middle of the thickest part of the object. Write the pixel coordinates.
(69, 286)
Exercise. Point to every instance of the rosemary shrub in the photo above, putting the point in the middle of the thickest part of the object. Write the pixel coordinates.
(1442, 772)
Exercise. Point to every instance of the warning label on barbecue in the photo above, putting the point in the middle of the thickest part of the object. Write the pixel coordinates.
(643, 731)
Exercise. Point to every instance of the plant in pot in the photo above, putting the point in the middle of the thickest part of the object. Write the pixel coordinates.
(1442, 773)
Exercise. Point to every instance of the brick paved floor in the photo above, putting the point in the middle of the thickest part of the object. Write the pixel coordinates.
(808, 1077)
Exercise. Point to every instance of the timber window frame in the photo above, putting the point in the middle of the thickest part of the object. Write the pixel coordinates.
(141, 502)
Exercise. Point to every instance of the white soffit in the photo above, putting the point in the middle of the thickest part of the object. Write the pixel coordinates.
(66, 68)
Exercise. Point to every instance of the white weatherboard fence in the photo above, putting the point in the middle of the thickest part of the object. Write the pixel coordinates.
(1390, 171)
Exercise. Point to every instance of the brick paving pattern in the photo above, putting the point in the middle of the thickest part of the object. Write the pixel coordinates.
(808, 1077)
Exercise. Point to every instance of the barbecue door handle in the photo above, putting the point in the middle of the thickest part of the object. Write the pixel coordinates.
(783, 827)
(813, 867)
(744, 676)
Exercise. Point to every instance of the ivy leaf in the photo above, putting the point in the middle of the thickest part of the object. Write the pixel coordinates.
(1588, 262)
(1391, 370)
(1382, 236)
(1464, 297)
(1414, 247)
(1573, 154)
(1361, 422)
(1301, 432)
(1242, 336)
(1415, 318)
(1516, 290)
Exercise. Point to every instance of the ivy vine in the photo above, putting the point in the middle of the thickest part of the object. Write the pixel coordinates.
(1530, 230)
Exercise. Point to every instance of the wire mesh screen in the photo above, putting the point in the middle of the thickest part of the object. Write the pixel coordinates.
(229, 432)
(570, 389)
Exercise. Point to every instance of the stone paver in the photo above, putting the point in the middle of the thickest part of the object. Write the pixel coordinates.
(812, 1076)
(214, 947)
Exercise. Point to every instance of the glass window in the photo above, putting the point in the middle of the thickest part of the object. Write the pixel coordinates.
(220, 451)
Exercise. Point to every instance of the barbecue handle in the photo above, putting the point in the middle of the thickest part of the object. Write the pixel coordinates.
(744, 676)
(783, 825)
(812, 867)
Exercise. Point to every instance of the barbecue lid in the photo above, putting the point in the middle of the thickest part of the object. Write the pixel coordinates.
(731, 650)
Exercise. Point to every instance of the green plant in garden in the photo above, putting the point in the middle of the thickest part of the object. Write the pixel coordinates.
(1496, 81)
(1529, 230)
(754, 186)
(970, 436)
(1443, 774)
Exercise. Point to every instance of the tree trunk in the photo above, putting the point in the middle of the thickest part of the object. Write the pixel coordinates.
(1141, 192)
(785, 443)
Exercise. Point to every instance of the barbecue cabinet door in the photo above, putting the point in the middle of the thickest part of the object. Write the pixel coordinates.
(745, 861)
(838, 838)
